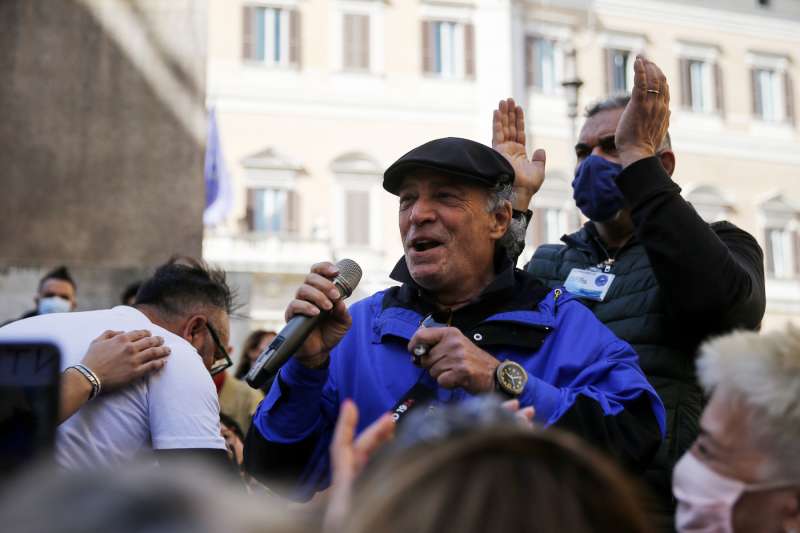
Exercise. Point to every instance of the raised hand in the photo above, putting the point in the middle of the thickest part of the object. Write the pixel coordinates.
(508, 138)
(645, 121)
(349, 455)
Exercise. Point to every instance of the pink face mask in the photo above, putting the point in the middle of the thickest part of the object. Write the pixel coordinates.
(706, 498)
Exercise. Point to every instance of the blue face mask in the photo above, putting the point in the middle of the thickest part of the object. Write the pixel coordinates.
(54, 304)
(595, 188)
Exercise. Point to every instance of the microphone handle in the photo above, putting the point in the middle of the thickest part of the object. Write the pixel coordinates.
(290, 338)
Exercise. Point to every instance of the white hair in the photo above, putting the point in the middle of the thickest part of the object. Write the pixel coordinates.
(514, 238)
(763, 370)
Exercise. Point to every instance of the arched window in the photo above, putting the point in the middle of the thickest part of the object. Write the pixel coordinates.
(709, 203)
(781, 222)
(358, 179)
(272, 200)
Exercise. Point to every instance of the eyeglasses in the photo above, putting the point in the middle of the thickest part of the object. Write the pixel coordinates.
(222, 360)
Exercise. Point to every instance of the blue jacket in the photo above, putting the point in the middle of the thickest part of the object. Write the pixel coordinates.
(581, 377)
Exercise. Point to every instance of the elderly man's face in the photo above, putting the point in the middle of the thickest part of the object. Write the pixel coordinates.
(448, 234)
(724, 446)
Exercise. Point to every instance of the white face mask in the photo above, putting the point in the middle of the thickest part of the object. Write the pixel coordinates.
(53, 304)
(706, 498)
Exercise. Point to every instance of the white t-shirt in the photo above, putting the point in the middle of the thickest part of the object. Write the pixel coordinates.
(176, 407)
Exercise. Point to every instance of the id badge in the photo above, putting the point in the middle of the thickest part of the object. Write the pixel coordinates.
(591, 284)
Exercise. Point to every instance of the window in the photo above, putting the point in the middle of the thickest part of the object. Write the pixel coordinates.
(355, 42)
(781, 238)
(357, 192)
(448, 49)
(768, 95)
(619, 70)
(554, 213)
(543, 60)
(701, 78)
(271, 35)
(782, 253)
(272, 202)
(549, 224)
(271, 210)
(698, 86)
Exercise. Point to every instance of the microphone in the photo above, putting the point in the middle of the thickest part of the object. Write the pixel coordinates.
(294, 333)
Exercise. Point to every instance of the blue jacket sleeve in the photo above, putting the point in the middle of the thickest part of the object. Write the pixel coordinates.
(599, 391)
(286, 448)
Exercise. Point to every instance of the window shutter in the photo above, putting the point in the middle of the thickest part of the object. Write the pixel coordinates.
(365, 40)
(770, 259)
(427, 47)
(292, 212)
(295, 38)
(530, 57)
(755, 89)
(249, 214)
(469, 51)
(539, 223)
(609, 59)
(357, 217)
(686, 83)
(720, 89)
(796, 252)
(789, 96)
(247, 32)
(347, 42)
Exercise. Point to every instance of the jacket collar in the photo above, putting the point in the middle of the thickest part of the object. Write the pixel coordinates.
(510, 289)
(588, 240)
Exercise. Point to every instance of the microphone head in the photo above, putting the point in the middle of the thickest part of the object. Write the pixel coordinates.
(349, 276)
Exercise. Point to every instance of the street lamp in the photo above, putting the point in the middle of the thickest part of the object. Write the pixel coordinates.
(572, 86)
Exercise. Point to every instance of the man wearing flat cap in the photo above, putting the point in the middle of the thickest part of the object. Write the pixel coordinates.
(464, 322)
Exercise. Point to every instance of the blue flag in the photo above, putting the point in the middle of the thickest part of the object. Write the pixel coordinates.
(219, 190)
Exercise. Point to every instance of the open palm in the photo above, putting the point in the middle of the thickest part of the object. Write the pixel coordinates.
(508, 138)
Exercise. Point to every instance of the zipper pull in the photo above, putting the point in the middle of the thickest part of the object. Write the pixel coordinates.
(556, 296)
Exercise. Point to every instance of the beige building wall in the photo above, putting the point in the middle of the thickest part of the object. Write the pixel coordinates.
(313, 128)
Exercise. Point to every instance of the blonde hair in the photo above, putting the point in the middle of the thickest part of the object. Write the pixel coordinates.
(763, 370)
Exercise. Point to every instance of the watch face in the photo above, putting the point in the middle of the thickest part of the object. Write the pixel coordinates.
(512, 378)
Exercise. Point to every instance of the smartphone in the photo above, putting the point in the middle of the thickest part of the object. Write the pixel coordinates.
(29, 397)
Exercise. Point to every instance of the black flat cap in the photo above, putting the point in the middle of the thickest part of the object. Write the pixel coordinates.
(452, 156)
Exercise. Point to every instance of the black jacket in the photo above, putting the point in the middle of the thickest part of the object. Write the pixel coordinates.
(678, 281)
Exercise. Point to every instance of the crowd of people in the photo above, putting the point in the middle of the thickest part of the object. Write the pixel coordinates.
(617, 382)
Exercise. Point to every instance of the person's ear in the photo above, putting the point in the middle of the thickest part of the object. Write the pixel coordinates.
(668, 161)
(501, 219)
(74, 305)
(194, 327)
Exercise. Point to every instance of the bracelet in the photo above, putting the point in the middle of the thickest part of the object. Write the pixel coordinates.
(90, 376)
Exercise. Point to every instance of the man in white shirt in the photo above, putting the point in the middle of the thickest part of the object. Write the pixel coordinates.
(173, 412)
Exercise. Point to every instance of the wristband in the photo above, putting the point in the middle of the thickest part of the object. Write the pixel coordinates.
(526, 215)
(90, 376)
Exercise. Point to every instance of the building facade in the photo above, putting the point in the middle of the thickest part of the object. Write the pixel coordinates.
(315, 98)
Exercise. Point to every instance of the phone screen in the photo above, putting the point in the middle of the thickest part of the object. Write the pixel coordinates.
(29, 395)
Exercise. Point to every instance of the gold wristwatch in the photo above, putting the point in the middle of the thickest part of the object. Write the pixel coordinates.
(510, 378)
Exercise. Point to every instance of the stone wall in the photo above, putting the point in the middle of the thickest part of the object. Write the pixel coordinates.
(102, 134)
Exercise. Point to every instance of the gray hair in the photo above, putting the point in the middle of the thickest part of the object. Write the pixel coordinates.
(763, 371)
(620, 101)
(514, 239)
